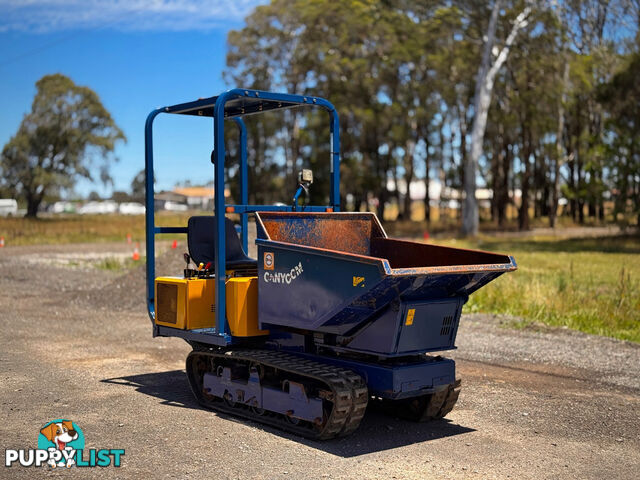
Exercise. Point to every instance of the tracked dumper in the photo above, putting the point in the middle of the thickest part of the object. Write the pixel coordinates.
(332, 316)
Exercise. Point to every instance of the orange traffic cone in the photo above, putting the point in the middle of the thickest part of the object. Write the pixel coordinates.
(1, 242)
(174, 245)
(136, 253)
(129, 238)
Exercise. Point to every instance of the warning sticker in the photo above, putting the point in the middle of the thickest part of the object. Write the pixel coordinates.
(268, 261)
(410, 314)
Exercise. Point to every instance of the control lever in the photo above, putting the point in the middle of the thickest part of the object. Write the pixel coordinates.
(188, 272)
(305, 179)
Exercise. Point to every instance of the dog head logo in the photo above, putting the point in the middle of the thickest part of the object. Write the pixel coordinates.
(60, 432)
(62, 436)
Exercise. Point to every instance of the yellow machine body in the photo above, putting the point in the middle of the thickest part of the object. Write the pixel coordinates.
(185, 303)
(242, 307)
(189, 303)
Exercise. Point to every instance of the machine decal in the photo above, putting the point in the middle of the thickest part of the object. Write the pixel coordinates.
(268, 261)
(410, 314)
(358, 281)
(284, 277)
(61, 443)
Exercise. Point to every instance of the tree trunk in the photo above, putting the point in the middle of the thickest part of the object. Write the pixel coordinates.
(573, 204)
(580, 202)
(396, 192)
(482, 101)
(544, 201)
(358, 199)
(496, 161)
(409, 172)
(382, 199)
(579, 191)
(407, 200)
(601, 212)
(523, 213)
(555, 192)
(33, 203)
(442, 206)
(427, 205)
(571, 181)
(462, 150)
(505, 171)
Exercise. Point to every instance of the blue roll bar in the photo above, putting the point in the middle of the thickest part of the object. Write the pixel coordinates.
(232, 104)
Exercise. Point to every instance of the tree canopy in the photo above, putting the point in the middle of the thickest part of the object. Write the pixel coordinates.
(403, 77)
(67, 135)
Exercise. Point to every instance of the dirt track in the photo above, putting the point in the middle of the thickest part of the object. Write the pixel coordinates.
(76, 343)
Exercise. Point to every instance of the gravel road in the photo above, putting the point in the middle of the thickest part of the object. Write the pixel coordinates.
(76, 343)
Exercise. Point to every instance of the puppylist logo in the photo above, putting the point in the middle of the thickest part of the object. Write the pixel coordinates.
(61, 444)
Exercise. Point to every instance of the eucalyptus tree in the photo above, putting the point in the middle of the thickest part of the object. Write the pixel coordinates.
(621, 98)
(491, 62)
(68, 134)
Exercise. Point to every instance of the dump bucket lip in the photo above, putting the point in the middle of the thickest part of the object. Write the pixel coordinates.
(385, 267)
(382, 262)
(448, 269)
(509, 266)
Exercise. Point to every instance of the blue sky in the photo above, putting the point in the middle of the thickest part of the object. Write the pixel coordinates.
(137, 55)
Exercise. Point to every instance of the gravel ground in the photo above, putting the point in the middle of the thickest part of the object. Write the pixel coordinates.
(484, 339)
(77, 344)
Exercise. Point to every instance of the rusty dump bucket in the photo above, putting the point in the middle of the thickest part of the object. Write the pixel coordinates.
(338, 272)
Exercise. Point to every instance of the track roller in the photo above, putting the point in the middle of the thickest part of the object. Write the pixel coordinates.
(302, 396)
(425, 407)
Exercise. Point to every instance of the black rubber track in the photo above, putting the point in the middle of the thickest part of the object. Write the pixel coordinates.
(425, 407)
(344, 405)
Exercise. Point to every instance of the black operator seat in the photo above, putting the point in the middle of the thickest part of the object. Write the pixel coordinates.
(201, 241)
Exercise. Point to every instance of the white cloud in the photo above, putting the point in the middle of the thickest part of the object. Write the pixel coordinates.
(43, 16)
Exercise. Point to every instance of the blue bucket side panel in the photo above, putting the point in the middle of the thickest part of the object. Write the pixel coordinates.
(409, 328)
(371, 301)
(444, 285)
(302, 288)
(379, 337)
(429, 326)
(390, 288)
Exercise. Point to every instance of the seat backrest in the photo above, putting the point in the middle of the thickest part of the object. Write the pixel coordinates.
(201, 240)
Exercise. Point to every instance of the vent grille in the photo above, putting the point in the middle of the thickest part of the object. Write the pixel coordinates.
(246, 272)
(213, 308)
(447, 325)
(167, 303)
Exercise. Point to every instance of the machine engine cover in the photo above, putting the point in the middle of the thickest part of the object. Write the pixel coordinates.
(185, 303)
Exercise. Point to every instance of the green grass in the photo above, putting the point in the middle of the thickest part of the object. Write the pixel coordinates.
(82, 228)
(587, 284)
